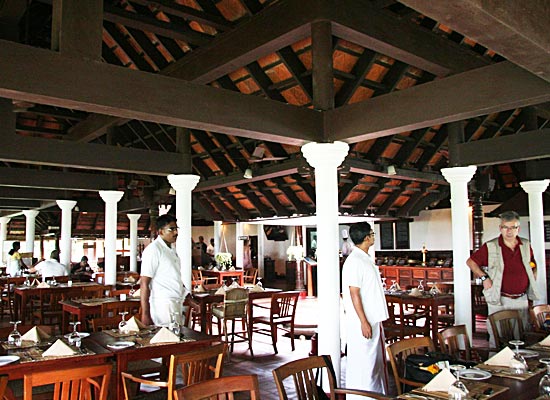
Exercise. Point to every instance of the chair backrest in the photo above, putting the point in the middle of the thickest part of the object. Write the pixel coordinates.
(235, 303)
(453, 339)
(250, 275)
(283, 306)
(507, 325)
(226, 385)
(92, 292)
(83, 383)
(112, 309)
(105, 323)
(398, 353)
(538, 315)
(6, 330)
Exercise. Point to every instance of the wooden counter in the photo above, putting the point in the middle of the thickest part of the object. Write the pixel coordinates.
(410, 275)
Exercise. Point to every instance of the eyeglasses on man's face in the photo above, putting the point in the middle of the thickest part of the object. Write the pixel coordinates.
(372, 234)
(510, 228)
(172, 228)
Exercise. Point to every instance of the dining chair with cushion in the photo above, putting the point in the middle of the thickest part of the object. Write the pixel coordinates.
(233, 308)
(304, 375)
(456, 342)
(282, 313)
(225, 387)
(194, 367)
(82, 383)
(398, 353)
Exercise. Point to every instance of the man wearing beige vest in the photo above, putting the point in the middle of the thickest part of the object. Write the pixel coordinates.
(509, 282)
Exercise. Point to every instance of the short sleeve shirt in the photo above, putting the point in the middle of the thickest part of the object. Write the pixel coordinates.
(360, 271)
(49, 268)
(162, 264)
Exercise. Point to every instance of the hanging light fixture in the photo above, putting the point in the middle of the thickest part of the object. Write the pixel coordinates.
(248, 173)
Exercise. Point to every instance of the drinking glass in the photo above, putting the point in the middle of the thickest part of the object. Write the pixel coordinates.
(420, 286)
(544, 384)
(14, 337)
(518, 363)
(458, 390)
(393, 287)
(384, 286)
(122, 324)
(132, 290)
(234, 284)
(259, 279)
(174, 324)
(434, 291)
(74, 337)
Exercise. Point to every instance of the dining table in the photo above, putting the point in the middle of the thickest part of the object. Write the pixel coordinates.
(222, 275)
(140, 348)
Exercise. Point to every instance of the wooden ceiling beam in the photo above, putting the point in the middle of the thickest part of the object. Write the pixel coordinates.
(26, 76)
(366, 168)
(16, 205)
(280, 210)
(494, 88)
(516, 30)
(17, 193)
(203, 207)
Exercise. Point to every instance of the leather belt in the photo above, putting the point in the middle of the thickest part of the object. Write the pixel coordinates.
(512, 296)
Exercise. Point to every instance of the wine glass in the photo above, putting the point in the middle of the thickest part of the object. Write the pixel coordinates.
(259, 279)
(544, 384)
(74, 337)
(420, 286)
(14, 338)
(434, 290)
(122, 324)
(393, 287)
(132, 290)
(518, 363)
(384, 286)
(458, 390)
(234, 284)
(174, 323)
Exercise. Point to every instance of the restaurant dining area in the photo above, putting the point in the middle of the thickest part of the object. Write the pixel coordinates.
(274, 199)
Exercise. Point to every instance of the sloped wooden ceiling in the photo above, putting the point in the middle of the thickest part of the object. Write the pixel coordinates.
(235, 84)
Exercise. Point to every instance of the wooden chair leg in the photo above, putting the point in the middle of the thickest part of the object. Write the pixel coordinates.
(274, 337)
(292, 337)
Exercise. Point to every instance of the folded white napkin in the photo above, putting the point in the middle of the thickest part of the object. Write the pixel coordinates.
(502, 358)
(221, 290)
(35, 282)
(200, 289)
(416, 292)
(441, 382)
(43, 285)
(256, 288)
(35, 335)
(545, 341)
(165, 336)
(133, 325)
(232, 269)
(215, 269)
(59, 348)
(137, 293)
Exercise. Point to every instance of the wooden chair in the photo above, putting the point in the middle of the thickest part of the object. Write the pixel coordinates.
(224, 387)
(92, 292)
(83, 383)
(479, 305)
(195, 367)
(196, 277)
(282, 312)
(234, 307)
(398, 353)
(112, 309)
(249, 276)
(48, 309)
(105, 323)
(304, 372)
(507, 325)
(8, 294)
(538, 315)
(398, 326)
(456, 342)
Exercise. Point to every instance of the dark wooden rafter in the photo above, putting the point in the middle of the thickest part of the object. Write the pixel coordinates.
(363, 64)
(347, 188)
(280, 210)
(297, 70)
(263, 81)
(495, 127)
(408, 147)
(251, 195)
(427, 200)
(204, 207)
(362, 206)
(215, 153)
(405, 209)
(231, 150)
(152, 51)
(137, 57)
(230, 197)
(306, 187)
(226, 213)
(385, 207)
(297, 204)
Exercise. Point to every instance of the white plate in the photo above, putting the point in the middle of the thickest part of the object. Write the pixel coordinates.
(120, 345)
(4, 360)
(82, 335)
(475, 374)
(528, 353)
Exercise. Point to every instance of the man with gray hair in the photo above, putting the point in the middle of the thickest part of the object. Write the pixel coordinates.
(509, 282)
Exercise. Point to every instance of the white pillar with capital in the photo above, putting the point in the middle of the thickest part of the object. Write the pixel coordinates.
(459, 177)
(325, 158)
(66, 226)
(535, 189)
(239, 249)
(133, 240)
(111, 198)
(4, 221)
(30, 228)
(184, 185)
(217, 236)
(261, 249)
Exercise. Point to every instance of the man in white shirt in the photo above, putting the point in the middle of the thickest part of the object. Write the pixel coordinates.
(51, 267)
(366, 308)
(162, 288)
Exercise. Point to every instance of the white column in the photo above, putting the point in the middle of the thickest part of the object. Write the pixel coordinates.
(239, 249)
(111, 198)
(30, 225)
(459, 177)
(535, 189)
(261, 249)
(3, 236)
(66, 226)
(217, 236)
(133, 240)
(184, 185)
(325, 158)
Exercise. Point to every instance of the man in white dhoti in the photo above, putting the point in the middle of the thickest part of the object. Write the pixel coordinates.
(366, 308)
(162, 289)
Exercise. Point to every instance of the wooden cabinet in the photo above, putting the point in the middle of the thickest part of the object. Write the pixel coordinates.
(410, 276)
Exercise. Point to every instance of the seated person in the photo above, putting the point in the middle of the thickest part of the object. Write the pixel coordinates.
(51, 267)
(82, 267)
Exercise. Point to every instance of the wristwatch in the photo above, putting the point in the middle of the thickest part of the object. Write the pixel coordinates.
(484, 277)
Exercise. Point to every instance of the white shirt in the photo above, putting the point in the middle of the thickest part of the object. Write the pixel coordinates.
(51, 267)
(162, 264)
(360, 271)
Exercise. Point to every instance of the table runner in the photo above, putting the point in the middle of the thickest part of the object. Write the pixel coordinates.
(506, 372)
(476, 388)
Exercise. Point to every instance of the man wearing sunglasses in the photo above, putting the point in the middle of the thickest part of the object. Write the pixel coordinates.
(162, 289)
(509, 282)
